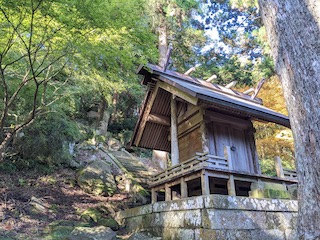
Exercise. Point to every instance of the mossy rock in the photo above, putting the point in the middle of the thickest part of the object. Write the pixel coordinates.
(276, 194)
(61, 229)
(109, 222)
(59, 233)
(92, 233)
(97, 179)
(91, 214)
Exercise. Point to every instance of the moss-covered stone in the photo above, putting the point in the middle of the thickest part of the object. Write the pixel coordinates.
(59, 233)
(97, 179)
(276, 194)
(269, 190)
(93, 233)
(109, 222)
(61, 229)
(91, 214)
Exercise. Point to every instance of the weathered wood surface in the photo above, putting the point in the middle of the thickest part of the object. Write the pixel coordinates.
(176, 91)
(278, 166)
(214, 165)
(158, 119)
(190, 123)
(189, 144)
(145, 115)
(174, 133)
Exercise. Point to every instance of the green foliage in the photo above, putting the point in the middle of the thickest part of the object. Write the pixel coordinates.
(65, 56)
(237, 50)
(47, 139)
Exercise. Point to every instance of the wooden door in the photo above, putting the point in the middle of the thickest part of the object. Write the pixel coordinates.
(221, 135)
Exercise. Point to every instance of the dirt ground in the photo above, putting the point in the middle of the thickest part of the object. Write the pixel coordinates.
(30, 202)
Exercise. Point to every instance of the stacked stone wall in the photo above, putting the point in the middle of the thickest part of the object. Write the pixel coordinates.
(215, 217)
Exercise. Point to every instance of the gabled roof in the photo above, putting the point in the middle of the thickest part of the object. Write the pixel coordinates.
(198, 92)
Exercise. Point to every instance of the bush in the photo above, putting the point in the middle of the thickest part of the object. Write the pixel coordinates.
(47, 140)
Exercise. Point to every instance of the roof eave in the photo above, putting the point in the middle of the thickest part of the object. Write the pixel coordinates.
(271, 116)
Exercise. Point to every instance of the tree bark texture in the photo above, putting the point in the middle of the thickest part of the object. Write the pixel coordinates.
(157, 155)
(293, 28)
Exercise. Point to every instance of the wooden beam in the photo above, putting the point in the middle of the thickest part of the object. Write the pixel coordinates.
(257, 89)
(190, 123)
(230, 85)
(191, 111)
(279, 168)
(190, 71)
(167, 193)
(153, 195)
(253, 149)
(205, 183)
(211, 78)
(177, 92)
(184, 188)
(166, 63)
(146, 114)
(223, 118)
(231, 184)
(174, 133)
(159, 119)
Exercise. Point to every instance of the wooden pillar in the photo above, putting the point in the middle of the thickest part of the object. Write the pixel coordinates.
(252, 144)
(153, 195)
(205, 183)
(231, 185)
(167, 193)
(184, 188)
(279, 169)
(174, 133)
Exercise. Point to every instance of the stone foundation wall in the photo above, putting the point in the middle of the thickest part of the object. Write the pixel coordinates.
(215, 217)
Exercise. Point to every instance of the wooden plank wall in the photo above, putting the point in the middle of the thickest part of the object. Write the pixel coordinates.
(190, 132)
(189, 144)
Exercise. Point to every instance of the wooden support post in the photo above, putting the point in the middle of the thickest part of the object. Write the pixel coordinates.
(231, 184)
(174, 133)
(279, 169)
(184, 188)
(205, 183)
(153, 195)
(167, 193)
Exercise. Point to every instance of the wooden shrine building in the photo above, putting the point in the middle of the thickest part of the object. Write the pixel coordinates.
(208, 130)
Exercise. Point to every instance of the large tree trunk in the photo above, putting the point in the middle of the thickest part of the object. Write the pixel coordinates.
(293, 28)
(161, 157)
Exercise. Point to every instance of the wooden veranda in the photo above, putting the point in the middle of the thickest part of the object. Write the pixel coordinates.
(215, 176)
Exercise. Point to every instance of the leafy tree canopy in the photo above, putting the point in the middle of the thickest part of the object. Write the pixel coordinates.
(56, 50)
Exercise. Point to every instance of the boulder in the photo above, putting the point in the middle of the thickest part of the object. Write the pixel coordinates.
(96, 178)
(92, 233)
(109, 222)
(114, 144)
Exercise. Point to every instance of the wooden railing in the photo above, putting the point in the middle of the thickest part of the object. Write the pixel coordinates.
(290, 174)
(202, 160)
(284, 172)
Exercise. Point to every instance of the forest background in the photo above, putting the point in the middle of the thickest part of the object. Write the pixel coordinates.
(67, 70)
